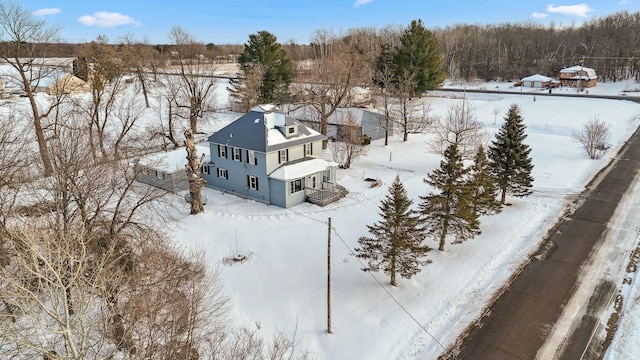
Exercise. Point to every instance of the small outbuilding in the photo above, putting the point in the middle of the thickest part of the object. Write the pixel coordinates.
(365, 122)
(359, 96)
(536, 81)
(68, 84)
(167, 170)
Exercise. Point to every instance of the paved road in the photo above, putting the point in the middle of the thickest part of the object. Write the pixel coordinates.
(522, 317)
(555, 93)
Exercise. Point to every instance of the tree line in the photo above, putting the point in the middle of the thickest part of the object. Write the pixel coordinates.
(511, 51)
(506, 51)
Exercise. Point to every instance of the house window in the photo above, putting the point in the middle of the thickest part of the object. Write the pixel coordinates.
(160, 175)
(251, 157)
(291, 130)
(296, 185)
(205, 169)
(222, 151)
(283, 156)
(252, 182)
(237, 154)
(326, 176)
(308, 149)
(222, 173)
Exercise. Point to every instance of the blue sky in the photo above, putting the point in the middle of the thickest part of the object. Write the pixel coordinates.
(231, 21)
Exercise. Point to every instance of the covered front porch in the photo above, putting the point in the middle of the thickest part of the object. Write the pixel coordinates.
(307, 180)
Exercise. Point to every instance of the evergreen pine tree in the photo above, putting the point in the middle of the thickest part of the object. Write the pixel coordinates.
(509, 158)
(483, 186)
(419, 54)
(450, 210)
(396, 243)
(265, 56)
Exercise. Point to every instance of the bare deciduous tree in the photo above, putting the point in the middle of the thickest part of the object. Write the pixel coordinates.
(23, 40)
(15, 157)
(172, 309)
(349, 145)
(246, 92)
(193, 167)
(411, 115)
(404, 108)
(384, 77)
(334, 71)
(137, 57)
(197, 87)
(593, 137)
(107, 86)
(420, 118)
(461, 127)
(48, 306)
(496, 111)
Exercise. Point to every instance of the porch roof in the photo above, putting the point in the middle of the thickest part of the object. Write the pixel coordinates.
(300, 169)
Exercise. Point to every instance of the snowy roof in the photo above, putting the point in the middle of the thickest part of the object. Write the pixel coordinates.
(43, 77)
(262, 129)
(537, 77)
(360, 90)
(591, 73)
(339, 116)
(300, 169)
(171, 161)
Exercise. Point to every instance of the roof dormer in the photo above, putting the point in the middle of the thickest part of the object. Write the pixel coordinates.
(291, 131)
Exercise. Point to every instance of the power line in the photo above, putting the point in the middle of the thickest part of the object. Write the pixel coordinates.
(390, 294)
(377, 281)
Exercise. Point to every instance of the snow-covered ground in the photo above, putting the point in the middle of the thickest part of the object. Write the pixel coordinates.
(282, 285)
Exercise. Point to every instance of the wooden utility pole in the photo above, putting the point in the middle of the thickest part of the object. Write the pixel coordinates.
(329, 329)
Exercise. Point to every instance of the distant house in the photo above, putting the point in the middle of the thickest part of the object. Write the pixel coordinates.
(48, 79)
(353, 96)
(273, 158)
(536, 81)
(167, 170)
(578, 76)
(68, 84)
(358, 96)
(367, 123)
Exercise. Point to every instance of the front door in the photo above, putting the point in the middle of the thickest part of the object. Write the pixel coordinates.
(311, 181)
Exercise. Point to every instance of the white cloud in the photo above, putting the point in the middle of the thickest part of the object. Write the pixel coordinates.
(361, 2)
(578, 10)
(537, 15)
(47, 11)
(108, 19)
(622, 2)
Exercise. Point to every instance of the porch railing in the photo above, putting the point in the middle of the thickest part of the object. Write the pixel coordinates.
(328, 193)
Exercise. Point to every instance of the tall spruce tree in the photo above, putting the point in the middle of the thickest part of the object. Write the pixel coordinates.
(450, 209)
(396, 243)
(264, 55)
(419, 54)
(483, 186)
(509, 158)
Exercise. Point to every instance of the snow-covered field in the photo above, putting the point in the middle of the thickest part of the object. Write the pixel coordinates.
(282, 286)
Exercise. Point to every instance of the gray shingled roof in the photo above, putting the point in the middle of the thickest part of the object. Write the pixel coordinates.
(339, 116)
(258, 130)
